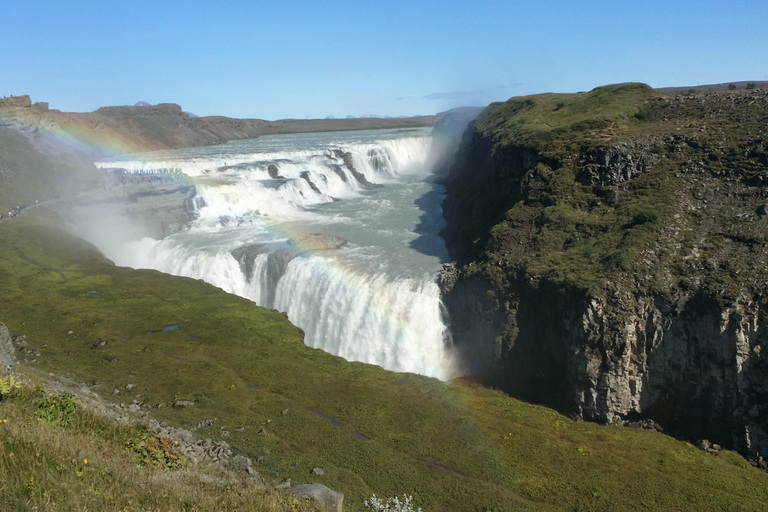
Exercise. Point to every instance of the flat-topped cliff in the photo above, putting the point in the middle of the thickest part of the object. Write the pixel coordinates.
(612, 259)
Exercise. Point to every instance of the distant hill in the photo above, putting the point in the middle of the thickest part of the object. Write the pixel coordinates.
(145, 127)
(725, 86)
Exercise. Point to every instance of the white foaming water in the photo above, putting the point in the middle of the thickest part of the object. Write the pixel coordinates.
(374, 299)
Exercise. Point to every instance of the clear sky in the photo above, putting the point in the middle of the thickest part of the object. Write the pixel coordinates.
(299, 59)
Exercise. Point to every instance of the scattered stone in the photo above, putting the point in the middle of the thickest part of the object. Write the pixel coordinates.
(285, 484)
(317, 471)
(240, 463)
(708, 447)
(645, 424)
(130, 386)
(326, 499)
(262, 431)
(114, 360)
(99, 343)
(284, 412)
(181, 404)
(204, 424)
(146, 349)
(70, 332)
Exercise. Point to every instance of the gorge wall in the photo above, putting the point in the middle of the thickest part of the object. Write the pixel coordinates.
(610, 258)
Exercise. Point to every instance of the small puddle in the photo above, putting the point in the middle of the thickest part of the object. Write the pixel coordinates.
(93, 291)
(334, 421)
(402, 381)
(440, 466)
(253, 387)
(173, 327)
(358, 435)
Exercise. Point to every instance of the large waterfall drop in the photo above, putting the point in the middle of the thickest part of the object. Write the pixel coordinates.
(274, 214)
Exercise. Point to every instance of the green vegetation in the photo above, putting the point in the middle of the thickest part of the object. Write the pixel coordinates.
(57, 409)
(84, 465)
(452, 446)
(550, 121)
(155, 451)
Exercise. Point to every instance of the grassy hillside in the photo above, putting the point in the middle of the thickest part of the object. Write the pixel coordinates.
(453, 446)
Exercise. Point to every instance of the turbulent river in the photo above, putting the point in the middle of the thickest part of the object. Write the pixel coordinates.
(262, 205)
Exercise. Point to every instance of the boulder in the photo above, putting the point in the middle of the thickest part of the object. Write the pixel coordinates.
(6, 349)
(246, 256)
(326, 499)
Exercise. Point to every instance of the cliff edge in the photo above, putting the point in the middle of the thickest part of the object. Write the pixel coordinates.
(611, 256)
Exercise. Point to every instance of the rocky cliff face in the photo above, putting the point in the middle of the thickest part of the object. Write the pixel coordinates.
(612, 259)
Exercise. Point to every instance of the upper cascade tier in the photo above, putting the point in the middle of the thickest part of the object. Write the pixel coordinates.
(265, 178)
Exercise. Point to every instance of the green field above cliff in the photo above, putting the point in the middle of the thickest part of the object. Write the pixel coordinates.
(598, 178)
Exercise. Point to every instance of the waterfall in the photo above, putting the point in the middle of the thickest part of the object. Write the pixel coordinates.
(320, 229)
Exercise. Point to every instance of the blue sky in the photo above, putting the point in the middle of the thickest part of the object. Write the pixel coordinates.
(274, 60)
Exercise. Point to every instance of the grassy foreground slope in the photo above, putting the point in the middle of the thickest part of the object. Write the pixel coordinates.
(453, 446)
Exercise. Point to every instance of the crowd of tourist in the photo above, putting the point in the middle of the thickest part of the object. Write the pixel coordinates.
(15, 212)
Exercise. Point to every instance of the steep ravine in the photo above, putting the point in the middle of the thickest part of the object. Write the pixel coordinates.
(611, 258)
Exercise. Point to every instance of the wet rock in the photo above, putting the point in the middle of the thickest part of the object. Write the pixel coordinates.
(318, 241)
(246, 256)
(274, 173)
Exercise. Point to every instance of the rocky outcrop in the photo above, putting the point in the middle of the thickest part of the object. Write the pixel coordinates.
(317, 241)
(619, 278)
(323, 497)
(6, 349)
(246, 256)
(140, 207)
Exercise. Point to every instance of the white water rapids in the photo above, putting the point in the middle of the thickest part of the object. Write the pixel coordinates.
(374, 299)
